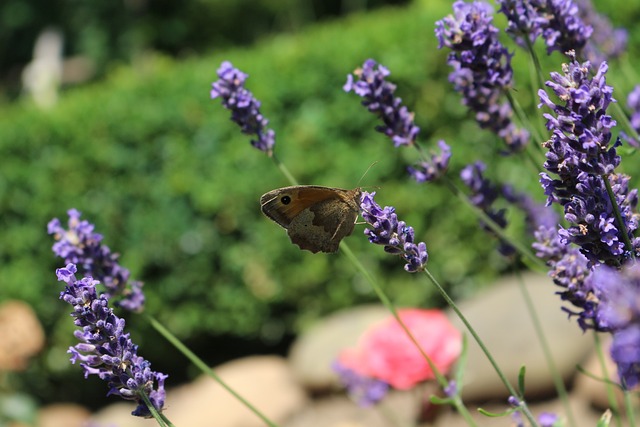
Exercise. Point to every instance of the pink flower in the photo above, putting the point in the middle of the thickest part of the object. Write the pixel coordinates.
(385, 351)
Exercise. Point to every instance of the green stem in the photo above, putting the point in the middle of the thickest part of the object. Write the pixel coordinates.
(536, 63)
(611, 397)
(442, 380)
(628, 403)
(485, 350)
(630, 75)
(616, 210)
(524, 251)
(206, 369)
(284, 170)
(161, 419)
(391, 307)
(555, 374)
(517, 108)
(622, 117)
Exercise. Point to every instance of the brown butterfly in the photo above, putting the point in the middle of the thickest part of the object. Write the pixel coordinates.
(316, 218)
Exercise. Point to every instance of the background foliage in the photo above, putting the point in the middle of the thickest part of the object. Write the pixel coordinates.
(119, 31)
(174, 187)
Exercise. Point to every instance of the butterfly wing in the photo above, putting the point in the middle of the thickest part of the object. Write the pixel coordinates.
(284, 204)
(316, 218)
(323, 226)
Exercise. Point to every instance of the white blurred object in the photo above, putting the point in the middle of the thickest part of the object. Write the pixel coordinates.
(41, 77)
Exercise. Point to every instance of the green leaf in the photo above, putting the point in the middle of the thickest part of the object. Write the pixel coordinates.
(497, 414)
(436, 400)
(461, 365)
(521, 374)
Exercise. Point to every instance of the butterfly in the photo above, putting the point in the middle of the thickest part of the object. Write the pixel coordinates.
(316, 218)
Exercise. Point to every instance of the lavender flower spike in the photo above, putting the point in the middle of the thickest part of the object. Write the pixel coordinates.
(483, 193)
(582, 158)
(104, 349)
(364, 390)
(618, 312)
(396, 236)
(606, 42)
(434, 168)
(557, 21)
(81, 245)
(481, 68)
(633, 102)
(378, 98)
(245, 108)
(569, 269)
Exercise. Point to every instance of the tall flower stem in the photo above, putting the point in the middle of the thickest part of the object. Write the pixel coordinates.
(525, 409)
(522, 116)
(630, 75)
(442, 381)
(622, 117)
(555, 374)
(523, 250)
(536, 63)
(629, 405)
(206, 369)
(616, 210)
(611, 397)
(160, 418)
(285, 171)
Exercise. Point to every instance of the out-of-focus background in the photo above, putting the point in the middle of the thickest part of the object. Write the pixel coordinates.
(104, 107)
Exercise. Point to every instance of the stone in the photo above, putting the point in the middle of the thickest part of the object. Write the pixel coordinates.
(583, 415)
(265, 381)
(63, 415)
(500, 317)
(340, 411)
(595, 391)
(22, 335)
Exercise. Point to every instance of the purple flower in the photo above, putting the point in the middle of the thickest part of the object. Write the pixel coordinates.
(364, 390)
(396, 236)
(483, 194)
(536, 214)
(569, 269)
(618, 312)
(633, 102)
(82, 246)
(558, 22)
(606, 42)
(482, 68)
(625, 351)
(245, 109)
(378, 98)
(104, 349)
(451, 390)
(547, 419)
(581, 156)
(433, 168)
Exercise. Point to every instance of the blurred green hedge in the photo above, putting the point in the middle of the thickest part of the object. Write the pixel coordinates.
(173, 186)
(106, 32)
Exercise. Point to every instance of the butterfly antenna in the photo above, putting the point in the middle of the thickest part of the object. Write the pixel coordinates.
(367, 171)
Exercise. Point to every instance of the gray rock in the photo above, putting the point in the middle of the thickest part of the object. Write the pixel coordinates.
(500, 317)
(63, 415)
(583, 414)
(397, 409)
(595, 391)
(265, 381)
